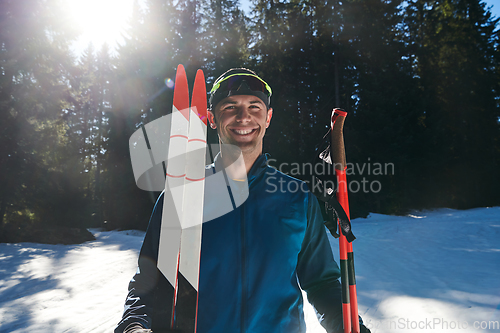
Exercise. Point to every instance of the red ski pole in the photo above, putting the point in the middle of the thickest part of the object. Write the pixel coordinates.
(348, 279)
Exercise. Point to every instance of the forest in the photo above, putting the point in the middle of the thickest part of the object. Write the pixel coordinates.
(420, 80)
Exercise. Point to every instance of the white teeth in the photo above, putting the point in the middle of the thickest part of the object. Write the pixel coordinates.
(243, 132)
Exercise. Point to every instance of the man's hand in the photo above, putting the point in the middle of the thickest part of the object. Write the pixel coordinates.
(136, 328)
(363, 329)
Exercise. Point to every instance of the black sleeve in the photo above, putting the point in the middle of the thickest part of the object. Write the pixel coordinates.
(149, 291)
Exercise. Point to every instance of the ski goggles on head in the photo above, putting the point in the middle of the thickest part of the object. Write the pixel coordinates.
(240, 84)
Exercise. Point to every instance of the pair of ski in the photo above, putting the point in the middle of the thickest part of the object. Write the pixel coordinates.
(348, 279)
(181, 227)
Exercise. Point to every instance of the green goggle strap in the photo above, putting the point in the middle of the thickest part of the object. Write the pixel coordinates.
(217, 84)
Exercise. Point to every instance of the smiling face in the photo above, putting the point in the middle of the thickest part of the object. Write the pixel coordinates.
(241, 120)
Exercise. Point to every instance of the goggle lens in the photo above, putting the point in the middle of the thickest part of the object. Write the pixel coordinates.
(234, 83)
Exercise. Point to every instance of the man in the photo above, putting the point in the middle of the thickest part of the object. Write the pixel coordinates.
(255, 259)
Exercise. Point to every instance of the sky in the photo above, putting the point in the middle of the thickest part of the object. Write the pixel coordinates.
(99, 21)
(495, 7)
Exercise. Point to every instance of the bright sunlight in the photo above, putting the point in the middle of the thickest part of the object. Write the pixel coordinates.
(100, 21)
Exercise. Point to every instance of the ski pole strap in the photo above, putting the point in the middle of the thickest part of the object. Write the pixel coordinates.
(337, 212)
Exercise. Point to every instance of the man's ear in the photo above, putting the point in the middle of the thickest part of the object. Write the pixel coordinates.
(269, 116)
(211, 119)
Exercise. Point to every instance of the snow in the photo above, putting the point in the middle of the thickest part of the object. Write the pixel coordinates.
(430, 271)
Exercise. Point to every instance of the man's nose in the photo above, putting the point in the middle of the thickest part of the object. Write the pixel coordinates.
(243, 114)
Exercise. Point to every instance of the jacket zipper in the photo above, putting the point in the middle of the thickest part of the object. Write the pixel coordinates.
(243, 271)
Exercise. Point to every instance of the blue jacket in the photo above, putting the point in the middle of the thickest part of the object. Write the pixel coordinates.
(254, 262)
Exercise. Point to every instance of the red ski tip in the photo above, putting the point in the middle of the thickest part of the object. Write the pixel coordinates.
(199, 102)
(181, 92)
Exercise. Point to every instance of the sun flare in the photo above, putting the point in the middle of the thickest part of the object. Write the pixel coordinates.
(100, 21)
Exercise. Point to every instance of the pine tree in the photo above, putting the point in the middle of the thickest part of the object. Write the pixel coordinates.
(456, 49)
(161, 35)
(225, 37)
(34, 94)
(384, 101)
(281, 50)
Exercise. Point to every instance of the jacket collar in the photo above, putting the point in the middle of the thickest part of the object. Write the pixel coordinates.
(257, 169)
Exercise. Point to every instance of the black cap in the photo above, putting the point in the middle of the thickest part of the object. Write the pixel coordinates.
(244, 88)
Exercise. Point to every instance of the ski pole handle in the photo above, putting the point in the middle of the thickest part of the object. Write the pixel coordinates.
(337, 139)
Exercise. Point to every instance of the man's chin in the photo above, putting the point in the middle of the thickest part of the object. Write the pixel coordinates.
(244, 140)
(242, 146)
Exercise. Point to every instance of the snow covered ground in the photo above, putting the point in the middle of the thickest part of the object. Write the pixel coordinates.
(432, 271)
